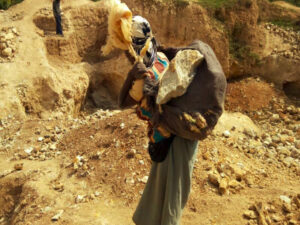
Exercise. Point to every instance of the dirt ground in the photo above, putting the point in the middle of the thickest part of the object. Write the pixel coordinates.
(91, 168)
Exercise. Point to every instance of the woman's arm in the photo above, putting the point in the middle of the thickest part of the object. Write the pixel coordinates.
(137, 72)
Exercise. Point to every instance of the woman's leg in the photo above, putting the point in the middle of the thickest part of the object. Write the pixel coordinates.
(168, 186)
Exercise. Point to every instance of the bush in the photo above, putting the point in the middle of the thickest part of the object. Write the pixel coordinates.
(5, 4)
(217, 3)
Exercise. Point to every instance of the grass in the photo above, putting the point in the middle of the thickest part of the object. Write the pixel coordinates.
(239, 49)
(5, 4)
(242, 52)
(285, 24)
(216, 4)
(293, 2)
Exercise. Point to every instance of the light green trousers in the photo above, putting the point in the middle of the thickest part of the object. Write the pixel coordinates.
(168, 186)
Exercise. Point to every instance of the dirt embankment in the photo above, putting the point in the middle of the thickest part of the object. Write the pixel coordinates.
(43, 75)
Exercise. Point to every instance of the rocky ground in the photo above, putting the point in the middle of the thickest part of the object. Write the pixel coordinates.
(288, 35)
(246, 172)
(8, 43)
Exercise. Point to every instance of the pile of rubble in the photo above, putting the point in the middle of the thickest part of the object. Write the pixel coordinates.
(43, 144)
(279, 142)
(8, 43)
(289, 36)
(283, 210)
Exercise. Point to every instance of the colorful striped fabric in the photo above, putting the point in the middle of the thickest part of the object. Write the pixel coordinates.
(160, 66)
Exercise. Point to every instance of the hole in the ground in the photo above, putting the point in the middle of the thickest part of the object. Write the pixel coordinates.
(100, 96)
(292, 89)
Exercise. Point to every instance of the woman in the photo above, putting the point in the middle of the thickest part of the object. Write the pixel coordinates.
(169, 183)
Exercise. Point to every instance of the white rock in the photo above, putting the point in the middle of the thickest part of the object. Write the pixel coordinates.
(40, 139)
(14, 30)
(142, 162)
(286, 199)
(179, 75)
(79, 198)
(57, 216)
(28, 150)
(144, 179)
(53, 147)
(9, 36)
(226, 133)
(122, 125)
(129, 180)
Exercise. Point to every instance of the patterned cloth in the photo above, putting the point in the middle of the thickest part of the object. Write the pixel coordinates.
(160, 66)
(142, 37)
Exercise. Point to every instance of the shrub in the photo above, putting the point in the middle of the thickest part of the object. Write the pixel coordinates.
(5, 4)
(217, 3)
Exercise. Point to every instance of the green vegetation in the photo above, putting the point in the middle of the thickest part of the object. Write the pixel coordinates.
(239, 49)
(216, 3)
(293, 2)
(5, 4)
(242, 52)
(286, 24)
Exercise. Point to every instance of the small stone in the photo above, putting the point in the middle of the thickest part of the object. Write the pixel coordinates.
(226, 134)
(79, 198)
(276, 218)
(122, 125)
(40, 139)
(275, 118)
(53, 147)
(28, 150)
(214, 179)
(142, 162)
(293, 222)
(9, 36)
(129, 180)
(58, 215)
(249, 214)
(234, 184)
(223, 186)
(18, 166)
(14, 30)
(7, 52)
(129, 131)
(285, 199)
(145, 179)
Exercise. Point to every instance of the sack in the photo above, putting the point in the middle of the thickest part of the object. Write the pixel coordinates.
(159, 151)
(194, 114)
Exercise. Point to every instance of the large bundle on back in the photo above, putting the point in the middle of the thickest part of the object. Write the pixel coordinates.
(119, 28)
